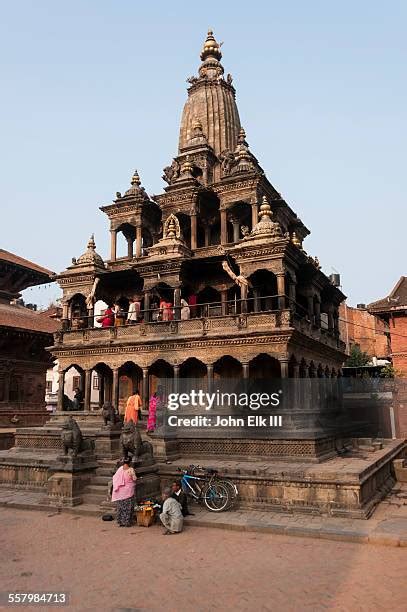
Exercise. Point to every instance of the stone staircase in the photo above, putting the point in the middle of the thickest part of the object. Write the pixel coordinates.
(95, 494)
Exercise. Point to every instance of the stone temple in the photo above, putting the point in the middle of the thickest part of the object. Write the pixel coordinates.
(221, 240)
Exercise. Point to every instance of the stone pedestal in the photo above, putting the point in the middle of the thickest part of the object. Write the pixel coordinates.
(68, 476)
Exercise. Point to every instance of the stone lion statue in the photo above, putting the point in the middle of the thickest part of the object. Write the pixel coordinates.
(109, 414)
(72, 440)
(133, 447)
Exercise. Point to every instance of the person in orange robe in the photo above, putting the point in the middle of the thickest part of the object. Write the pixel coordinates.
(133, 407)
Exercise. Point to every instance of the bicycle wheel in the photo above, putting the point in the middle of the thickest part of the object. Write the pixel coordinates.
(232, 489)
(216, 497)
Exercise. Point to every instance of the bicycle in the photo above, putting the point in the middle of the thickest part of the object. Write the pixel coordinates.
(226, 482)
(214, 495)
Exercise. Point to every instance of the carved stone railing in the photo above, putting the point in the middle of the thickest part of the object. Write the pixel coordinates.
(263, 322)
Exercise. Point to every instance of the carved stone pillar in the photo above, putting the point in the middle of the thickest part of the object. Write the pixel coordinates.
(176, 378)
(147, 313)
(317, 314)
(209, 370)
(310, 302)
(61, 385)
(115, 389)
(256, 300)
(236, 230)
(88, 389)
(113, 244)
(139, 240)
(245, 370)
(281, 290)
(177, 303)
(255, 214)
(194, 239)
(284, 367)
(101, 389)
(224, 299)
(145, 389)
(65, 316)
(223, 226)
(292, 295)
(129, 247)
(207, 231)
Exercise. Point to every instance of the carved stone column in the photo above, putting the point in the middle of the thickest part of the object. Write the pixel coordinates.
(281, 290)
(194, 239)
(255, 214)
(177, 303)
(310, 302)
(256, 300)
(317, 314)
(236, 229)
(61, 385)
(176, 378)
(145, 393)
(207, 231)
(139, 240)
(101, 389)
(129, 247)
(147, 313)
(223, 226)
(115, 389)
(88, 389)
(284, 367)
(245, 370)
(209, 373)
(113, 244)
(224, 299)
(243, 297)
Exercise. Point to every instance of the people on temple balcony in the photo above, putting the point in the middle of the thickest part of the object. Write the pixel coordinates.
(77, 401)
(124, 484)
(155, 310)
(185, 310)
(107, 318)
(166, 309)
(181, 497)
(133, 407)
(192, 301)
(133, 315)
(152, 413)
(119, 315)
(171, 515)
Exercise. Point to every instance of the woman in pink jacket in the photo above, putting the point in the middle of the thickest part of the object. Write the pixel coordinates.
(124, 484)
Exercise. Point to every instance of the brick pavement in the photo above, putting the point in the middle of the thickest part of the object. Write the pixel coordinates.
(387, 526)
(110, 569)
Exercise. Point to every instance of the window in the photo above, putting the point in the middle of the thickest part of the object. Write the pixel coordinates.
(96, 382)
(76, 382)
(48, 386)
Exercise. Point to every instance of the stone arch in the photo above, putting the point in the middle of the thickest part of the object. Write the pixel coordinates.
(227, 367)
(193, 368)
(78, 311)
(209, 302)
(130, 379)
(126, 235)
(263, 291)
(104, 376)
(264, 366)
(160, 374)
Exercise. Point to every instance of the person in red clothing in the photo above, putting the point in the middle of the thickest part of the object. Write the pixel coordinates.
(107, 319)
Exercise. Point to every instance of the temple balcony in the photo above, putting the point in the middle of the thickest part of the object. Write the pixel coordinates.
(244, 324)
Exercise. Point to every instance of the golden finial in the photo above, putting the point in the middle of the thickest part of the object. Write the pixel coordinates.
(187, 167)
(211, 48)
(265, 210)
(296, 241)
(135, 179)
(91, 243)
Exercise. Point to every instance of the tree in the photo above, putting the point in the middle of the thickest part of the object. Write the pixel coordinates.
(357, 357)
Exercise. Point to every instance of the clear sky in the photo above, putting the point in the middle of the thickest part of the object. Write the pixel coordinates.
(93, 89)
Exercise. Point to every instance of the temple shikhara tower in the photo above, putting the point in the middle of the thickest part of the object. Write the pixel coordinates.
(219, 238)
(215, 284)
